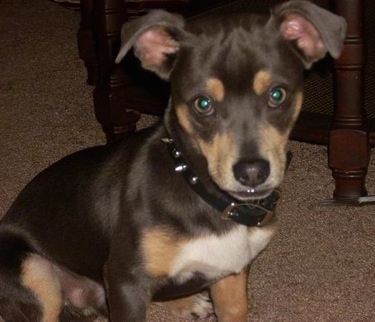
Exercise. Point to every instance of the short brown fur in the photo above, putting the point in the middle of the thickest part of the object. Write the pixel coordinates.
(215, 89)
(216, 157)
(160, 249)
(183, 118)
(38, 276)
(230, 297)
(262, 80)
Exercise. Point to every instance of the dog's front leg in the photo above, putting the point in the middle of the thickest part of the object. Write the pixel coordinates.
(127, 289)
(229, 296)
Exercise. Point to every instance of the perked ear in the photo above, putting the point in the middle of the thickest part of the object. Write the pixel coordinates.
(155, 38)
(313, 31)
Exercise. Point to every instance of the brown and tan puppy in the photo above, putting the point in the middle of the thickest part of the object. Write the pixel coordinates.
(180, 208)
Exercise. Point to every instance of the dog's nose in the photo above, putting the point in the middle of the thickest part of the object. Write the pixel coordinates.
(251, 173)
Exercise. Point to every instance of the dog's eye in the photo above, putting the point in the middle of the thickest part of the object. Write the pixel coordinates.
(203, 105)
(277, 96)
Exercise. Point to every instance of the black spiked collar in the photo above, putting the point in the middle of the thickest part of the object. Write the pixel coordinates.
(249, 213)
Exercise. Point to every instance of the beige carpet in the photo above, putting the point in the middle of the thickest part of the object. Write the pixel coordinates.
(321, 265)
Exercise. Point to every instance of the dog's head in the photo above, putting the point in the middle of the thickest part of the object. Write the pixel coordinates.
(236, 83)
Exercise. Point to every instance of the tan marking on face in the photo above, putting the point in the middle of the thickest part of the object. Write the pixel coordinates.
(38, 275)
(183, 118)
(160, 248)
(215, 89)
(220, 154)
(272, 148)
(273, 143)
(297, 105)
(262, 80)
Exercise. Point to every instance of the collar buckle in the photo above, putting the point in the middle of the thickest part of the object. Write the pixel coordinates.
(262, 218)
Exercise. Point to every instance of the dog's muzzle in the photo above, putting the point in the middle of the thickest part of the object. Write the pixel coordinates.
(250, 213)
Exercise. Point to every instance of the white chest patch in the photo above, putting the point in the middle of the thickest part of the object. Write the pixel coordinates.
(217, 256)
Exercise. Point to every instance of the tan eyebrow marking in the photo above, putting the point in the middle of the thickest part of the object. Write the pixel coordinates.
(215, 89)
(262, 80)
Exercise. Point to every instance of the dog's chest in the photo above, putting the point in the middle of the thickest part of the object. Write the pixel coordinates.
(215, 256)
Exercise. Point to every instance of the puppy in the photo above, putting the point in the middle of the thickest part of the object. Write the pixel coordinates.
(180, 208)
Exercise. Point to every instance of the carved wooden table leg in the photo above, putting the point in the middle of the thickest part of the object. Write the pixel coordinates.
(86, 44)
(110, 92)
(349, 146)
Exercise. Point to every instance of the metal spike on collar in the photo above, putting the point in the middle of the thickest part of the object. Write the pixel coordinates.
(193, 179)
(167, 140)
(181, 167)
(176, 154)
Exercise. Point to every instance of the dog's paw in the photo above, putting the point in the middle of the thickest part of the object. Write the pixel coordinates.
(192, 307)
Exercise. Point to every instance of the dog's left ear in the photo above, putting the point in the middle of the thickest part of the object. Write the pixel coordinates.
(155, 38)
(313, 31)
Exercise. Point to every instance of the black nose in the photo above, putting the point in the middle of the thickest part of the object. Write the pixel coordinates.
(251, 173)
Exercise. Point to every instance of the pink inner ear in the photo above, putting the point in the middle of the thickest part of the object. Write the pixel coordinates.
(152, 46)
(296, 27)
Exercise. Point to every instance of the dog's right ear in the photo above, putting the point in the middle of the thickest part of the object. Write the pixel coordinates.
(155, 38)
